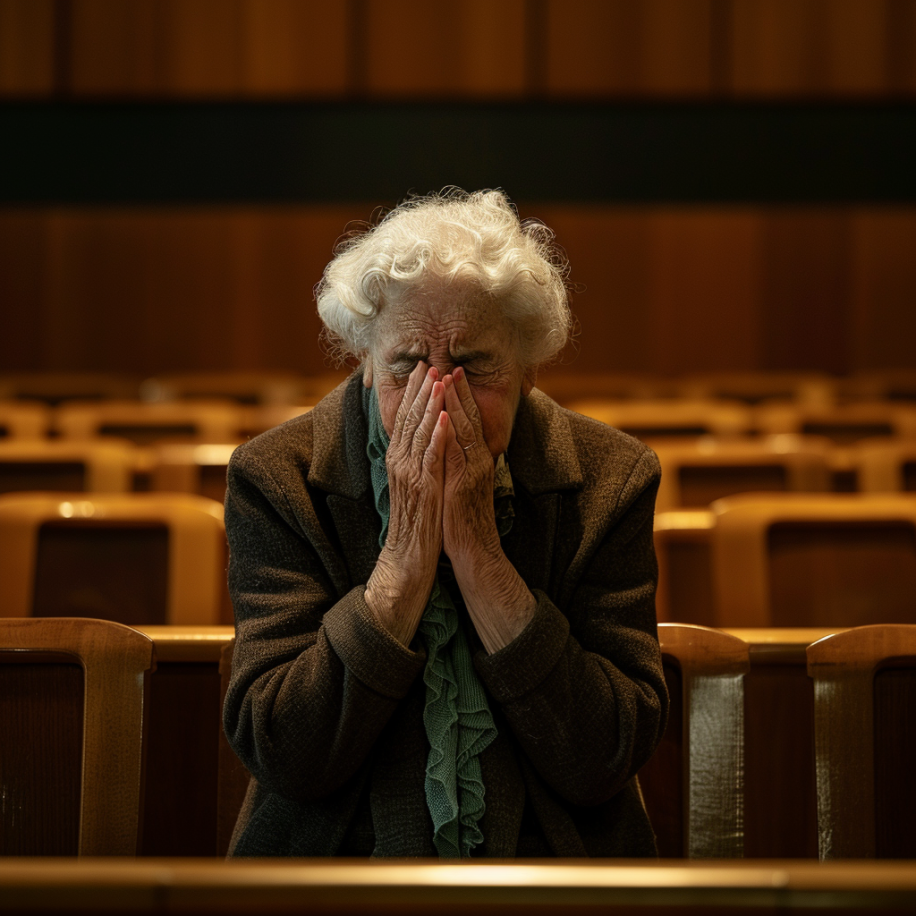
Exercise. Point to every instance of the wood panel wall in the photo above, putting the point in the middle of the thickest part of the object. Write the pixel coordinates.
(663, 289)
(466, 48)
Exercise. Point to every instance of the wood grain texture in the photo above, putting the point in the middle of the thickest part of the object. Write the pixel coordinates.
(814, 565)
(41, 717)
(295, 47)
(472, 48)
(810, 47)
(660, 290)
(158, 290)
(115, 661)
(610, 263)
(705, 285)
(117, 48)
(780, 791)
(23, 270)
(222, 48)
(26, 48)
(883, 271)
(467, 48)
(712, 667)
(618, 47)
(843, 667)
(806, 288)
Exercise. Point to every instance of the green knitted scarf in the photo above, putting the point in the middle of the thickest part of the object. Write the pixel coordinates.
(457, 718)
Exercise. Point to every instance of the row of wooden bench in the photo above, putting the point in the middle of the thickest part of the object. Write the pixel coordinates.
(782, 743)
(380, 888)
(696, 471)
(564, 385)
(225, 420)
(765, 559)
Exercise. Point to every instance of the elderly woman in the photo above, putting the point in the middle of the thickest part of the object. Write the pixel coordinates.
(443, 582)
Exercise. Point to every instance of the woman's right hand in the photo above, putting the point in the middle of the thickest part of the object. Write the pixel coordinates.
(398, 589)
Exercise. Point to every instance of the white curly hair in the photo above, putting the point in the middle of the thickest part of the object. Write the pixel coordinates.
(452, 237)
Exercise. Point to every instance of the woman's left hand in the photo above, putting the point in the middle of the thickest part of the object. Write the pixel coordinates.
(498, 601)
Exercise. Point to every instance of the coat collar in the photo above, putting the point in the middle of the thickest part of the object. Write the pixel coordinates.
(339, 435)
(542, 451)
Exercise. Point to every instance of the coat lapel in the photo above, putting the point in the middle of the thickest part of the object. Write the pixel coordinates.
(544, 462)
(340, 467)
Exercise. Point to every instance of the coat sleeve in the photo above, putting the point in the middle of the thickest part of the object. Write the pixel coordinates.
(314, 678)
(583, 688)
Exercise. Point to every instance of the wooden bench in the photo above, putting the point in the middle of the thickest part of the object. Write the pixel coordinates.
(322, 888)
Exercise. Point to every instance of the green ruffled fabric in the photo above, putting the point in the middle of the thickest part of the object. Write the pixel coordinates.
(457, 717)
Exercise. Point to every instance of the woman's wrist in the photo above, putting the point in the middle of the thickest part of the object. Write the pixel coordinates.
(499, 602)
(397, 593)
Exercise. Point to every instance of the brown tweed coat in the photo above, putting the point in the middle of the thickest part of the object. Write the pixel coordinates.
(325, 708)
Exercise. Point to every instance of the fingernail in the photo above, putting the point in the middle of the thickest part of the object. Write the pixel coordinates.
(433, 373)
(458, 372)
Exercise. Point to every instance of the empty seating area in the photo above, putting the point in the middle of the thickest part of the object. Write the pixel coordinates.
(767, 754)
(787, 606)
(823, 464)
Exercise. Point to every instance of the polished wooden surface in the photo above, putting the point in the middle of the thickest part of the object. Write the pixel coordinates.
(194, 551)
(116, 661)
(562, 48)
(844, 668)
(695, 781)
(779, 811)
(342, 886)
(193, 784)
(814, 558)
(659, 289)
(41, 719)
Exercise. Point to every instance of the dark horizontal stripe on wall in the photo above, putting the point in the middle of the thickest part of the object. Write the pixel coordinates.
(167, 153)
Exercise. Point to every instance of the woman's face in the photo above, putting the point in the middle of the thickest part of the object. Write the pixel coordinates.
(447, 327)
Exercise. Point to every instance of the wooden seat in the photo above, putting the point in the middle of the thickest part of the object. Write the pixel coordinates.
(182, 467)
(139, 558)
(567, 387)
(683, 546)
(144, 423)
(697, 472)
(754, 387)
(819, 559)
(849, 670)
(693, 785)
(109, 698)
(56, 387)
(882, 385)
(843, 424)
(660, 420)
(884, 466)
(100, 466)
(24, 420)
(242, 387)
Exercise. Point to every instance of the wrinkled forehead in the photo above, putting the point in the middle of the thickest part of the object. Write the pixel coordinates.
(457, 318)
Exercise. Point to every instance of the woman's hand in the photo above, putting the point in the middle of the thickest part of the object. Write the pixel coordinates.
(398, 589)
(498, 601)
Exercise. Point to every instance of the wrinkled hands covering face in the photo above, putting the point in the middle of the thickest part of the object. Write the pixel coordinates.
(439, 467)
(440, 480)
